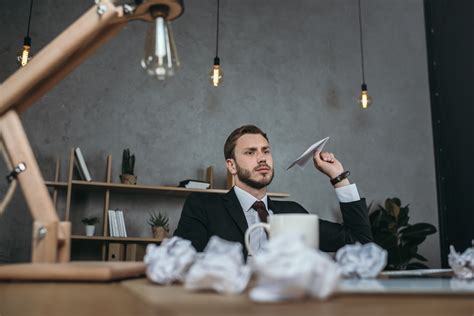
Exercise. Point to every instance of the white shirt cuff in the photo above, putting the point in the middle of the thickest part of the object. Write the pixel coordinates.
(347, 193)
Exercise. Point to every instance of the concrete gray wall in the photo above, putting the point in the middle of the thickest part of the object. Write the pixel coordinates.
(291, 67)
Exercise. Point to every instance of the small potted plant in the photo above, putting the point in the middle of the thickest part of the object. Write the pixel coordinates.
(90, 224)
(159, 225)
(128, 166)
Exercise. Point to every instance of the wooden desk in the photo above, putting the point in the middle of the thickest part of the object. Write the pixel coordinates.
(139, 297)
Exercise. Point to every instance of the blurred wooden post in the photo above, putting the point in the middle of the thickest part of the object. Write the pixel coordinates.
(47, 236)
(210, 176)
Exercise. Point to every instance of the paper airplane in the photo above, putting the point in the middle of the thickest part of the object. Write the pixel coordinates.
(309, 153)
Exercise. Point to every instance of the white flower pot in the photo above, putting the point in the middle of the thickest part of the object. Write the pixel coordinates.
(90, 230)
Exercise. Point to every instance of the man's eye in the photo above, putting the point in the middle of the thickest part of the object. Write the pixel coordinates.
(249, 152)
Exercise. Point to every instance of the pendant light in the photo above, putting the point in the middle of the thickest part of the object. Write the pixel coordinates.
(216, 75)
(24, 56)
(364, 99)
(161, 57)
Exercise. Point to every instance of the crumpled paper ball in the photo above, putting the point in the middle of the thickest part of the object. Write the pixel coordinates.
(287, 269)
(462, 264)
(221, 267)
(170, 261)
(362, 261)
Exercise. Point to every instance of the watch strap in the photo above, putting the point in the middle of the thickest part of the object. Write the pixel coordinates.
(340, 177)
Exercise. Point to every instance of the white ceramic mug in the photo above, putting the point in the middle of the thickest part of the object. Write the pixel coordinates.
(279, 224)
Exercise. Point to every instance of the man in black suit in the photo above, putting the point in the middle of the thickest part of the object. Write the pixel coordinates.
(249, 160)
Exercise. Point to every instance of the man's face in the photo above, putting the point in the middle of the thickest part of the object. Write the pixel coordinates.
(253, 162)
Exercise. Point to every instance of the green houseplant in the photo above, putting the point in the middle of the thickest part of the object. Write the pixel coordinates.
(159, 225)
(392, 232)
(90, 224)
(128, 167)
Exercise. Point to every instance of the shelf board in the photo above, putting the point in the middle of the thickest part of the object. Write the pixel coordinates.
(56, 184)
(155, 188)
(118, 239)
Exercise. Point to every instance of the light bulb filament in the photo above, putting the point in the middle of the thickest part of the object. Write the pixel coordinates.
(216, 75)
(24, 55)
(364, 99)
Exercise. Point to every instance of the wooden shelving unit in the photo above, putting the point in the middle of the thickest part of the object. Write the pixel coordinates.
(107, 187)
(156, 188)
(56, 184)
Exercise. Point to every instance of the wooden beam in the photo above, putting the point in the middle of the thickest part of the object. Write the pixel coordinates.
(31, 181)
(44, 242)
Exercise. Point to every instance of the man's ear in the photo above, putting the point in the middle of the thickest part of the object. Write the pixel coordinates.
(230, 163)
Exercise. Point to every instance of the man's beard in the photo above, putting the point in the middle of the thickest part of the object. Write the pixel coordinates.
(244, 176)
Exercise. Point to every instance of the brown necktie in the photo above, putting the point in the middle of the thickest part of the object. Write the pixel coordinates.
(259, 206)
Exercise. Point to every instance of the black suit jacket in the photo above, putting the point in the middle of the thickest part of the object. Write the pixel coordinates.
(208, 214)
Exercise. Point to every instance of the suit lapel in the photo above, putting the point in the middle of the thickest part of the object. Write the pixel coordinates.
(273, 207)
(232, 205)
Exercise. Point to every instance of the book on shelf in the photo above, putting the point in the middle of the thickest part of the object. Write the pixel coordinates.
(121, 223)
(117, 224)
(113, 227)
(81, 165)
(194, 184)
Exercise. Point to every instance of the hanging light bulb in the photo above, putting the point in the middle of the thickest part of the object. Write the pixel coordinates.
(364, 98)
(24, 55)
(216, 75)
(161, 57)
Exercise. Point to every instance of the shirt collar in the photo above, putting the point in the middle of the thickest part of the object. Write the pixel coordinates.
(246, 199)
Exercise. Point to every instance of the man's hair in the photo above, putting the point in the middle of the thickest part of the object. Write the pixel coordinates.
(229, 145)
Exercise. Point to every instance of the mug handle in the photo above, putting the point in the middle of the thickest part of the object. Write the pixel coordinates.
(266, 226)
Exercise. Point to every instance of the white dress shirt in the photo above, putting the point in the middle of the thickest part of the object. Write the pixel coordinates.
(258, 238)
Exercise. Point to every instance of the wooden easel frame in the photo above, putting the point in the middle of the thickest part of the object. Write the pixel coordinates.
(51, 238)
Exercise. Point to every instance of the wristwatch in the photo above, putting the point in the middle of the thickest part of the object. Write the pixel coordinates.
(340, 177)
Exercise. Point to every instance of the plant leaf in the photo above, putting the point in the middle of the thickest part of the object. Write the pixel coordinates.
(412, 242)
(385, 239)
(393, 207)
(418, 230)
(396, 201)
(385, 218)
(403, 217)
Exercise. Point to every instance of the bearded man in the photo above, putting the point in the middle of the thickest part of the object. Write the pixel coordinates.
(249, 159)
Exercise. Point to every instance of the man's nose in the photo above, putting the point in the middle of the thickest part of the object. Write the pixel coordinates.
(261, 157)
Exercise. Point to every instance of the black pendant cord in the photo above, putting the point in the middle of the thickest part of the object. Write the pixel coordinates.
(361, 45)
(29, 19)
(217, 30)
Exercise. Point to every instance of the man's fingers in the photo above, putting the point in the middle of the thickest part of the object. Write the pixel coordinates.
(326, 156)
(317, 158)
(331, 157)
